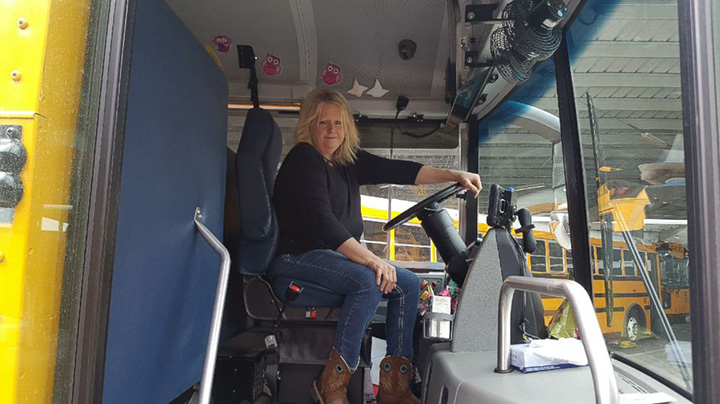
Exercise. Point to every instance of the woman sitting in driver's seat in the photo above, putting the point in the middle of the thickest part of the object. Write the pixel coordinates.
(317, 200)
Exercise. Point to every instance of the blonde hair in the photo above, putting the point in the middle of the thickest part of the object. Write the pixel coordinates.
(310, 113)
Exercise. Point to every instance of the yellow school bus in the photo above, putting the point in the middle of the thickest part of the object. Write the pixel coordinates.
(629, 302)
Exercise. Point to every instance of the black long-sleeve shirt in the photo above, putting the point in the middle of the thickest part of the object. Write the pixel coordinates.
(318, 204)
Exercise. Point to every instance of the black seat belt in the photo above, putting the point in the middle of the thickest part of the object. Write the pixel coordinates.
(272, 354)
(272, 362)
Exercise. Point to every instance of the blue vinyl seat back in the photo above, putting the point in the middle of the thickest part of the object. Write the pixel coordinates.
(256, 163)
(165, 274)
(254, 241)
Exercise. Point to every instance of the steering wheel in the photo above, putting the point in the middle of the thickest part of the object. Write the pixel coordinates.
(420, 206)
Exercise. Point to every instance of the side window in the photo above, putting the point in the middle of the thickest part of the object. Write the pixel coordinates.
(555, 256)
(628, 263)
(411, 243)
(617, 262)
(374, 238)
(569, 263)
(651, 262)
(599, 260)
(643, 256)
(651, 267)
(537, 259)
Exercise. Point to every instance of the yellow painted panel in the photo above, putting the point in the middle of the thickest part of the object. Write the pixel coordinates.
(14, 245)
(22, 51)
(50, 53)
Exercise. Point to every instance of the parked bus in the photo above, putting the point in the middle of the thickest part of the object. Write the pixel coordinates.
(135, 228)
(630, 300)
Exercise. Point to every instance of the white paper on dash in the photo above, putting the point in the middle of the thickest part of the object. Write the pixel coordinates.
(646, 398)
(569, 350)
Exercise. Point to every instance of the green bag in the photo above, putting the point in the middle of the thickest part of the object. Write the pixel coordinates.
(563, 324)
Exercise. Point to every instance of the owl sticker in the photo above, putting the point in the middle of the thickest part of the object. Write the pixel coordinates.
(222, 43)
(331, 74)
(272, 65)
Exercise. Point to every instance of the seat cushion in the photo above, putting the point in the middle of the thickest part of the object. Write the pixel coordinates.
(261, 303)
(312, 295)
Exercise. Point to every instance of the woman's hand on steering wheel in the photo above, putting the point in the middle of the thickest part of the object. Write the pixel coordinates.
(385, 275)
(469, 181)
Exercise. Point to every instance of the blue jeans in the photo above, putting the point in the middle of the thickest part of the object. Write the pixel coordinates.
(334, 271)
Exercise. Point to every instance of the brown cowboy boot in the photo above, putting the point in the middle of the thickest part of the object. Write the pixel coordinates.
(331, 386)
(395, 374)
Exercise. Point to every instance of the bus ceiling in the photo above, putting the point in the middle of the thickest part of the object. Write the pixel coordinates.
(371, 51)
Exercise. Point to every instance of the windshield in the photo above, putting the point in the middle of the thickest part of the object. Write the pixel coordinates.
(625, 61)
(626, 73)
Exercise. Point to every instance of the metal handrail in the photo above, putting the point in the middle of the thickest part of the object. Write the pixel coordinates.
(216, 321)
(606, 391)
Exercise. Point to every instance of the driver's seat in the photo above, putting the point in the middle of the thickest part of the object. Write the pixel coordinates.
(251, 228)
(306, 331)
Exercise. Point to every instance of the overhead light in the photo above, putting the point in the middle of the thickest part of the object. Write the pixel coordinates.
(269, 107)
(676, 222)
(528, 187)
(648, 137)
(665, 222)
(541, 219)
(654, 140)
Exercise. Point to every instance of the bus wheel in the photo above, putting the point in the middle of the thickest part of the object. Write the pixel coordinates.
(634, 322)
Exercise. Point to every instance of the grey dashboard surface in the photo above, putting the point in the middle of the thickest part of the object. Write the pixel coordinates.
(468, 377)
